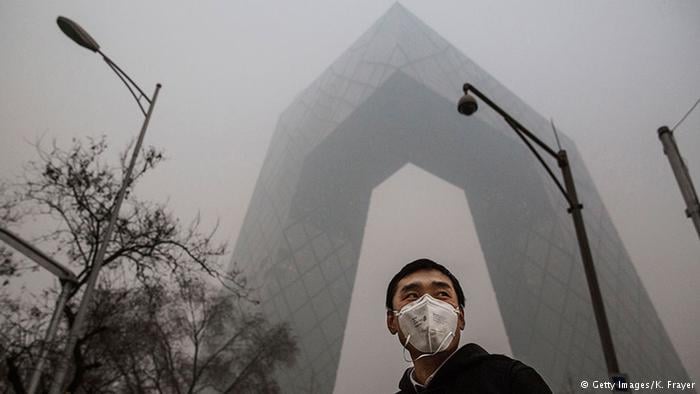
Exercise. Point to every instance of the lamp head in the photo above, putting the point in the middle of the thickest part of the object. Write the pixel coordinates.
(77, 34)
(467, 105)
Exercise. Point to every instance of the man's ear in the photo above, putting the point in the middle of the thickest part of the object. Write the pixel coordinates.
(392, 322)
(461, 322)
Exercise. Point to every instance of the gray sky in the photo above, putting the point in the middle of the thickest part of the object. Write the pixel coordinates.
(608, 72)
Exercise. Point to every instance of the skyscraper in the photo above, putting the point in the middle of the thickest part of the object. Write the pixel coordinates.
(390, 100)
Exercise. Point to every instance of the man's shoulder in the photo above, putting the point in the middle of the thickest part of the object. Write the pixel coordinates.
(473, 358)
(473, 369)
(473, 366)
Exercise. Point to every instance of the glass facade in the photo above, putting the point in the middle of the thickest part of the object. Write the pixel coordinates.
(389, 100)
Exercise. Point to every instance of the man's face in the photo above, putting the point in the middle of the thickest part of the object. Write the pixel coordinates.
(415, 285)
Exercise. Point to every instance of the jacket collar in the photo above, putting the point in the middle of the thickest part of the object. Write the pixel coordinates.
(461, 359)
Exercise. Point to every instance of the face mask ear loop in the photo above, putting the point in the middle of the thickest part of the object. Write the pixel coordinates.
(439, 349)
(408, 360)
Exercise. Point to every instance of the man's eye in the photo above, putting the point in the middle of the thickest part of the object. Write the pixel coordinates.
(443, 294)
(411, 295)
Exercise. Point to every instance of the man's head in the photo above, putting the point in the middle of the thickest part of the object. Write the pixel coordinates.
(415, 280)
(421, 265)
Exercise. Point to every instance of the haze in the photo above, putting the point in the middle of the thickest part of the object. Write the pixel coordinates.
(608, 73)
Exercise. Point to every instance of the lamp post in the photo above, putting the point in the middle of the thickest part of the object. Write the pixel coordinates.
(82, 38)
(68, 282)
(467, 106)
(685, 182)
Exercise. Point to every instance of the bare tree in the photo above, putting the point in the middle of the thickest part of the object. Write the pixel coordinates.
(77, 189)
(179, 339)
(8, 216)
(156, 323)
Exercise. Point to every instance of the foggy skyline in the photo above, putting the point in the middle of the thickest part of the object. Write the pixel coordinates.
(608, 73)
(389, 100)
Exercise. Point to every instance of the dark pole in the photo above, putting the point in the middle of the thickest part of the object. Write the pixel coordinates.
(77, 329)
(587, 259)
(66, 288)
(68, 282)
(680, 171)
(467, 105)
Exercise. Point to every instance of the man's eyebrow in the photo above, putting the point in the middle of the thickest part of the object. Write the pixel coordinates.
(442, 285)
(410, 287)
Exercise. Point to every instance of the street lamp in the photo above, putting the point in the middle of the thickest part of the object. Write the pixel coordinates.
(68, 282)
(467, 105)
(82, 38)
(680, 171)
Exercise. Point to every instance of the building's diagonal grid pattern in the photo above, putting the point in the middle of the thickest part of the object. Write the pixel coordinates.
(359, 123)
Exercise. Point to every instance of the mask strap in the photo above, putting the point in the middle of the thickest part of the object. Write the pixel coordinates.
(439, 349)
(408, 360)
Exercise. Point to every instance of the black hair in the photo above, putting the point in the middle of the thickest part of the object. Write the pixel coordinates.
(419, 265)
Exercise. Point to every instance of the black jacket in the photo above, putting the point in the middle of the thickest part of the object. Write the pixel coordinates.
(472, 370)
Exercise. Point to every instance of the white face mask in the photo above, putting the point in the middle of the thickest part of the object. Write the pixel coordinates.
(429, 324)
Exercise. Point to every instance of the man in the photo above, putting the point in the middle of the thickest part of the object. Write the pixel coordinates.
(425, 307)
